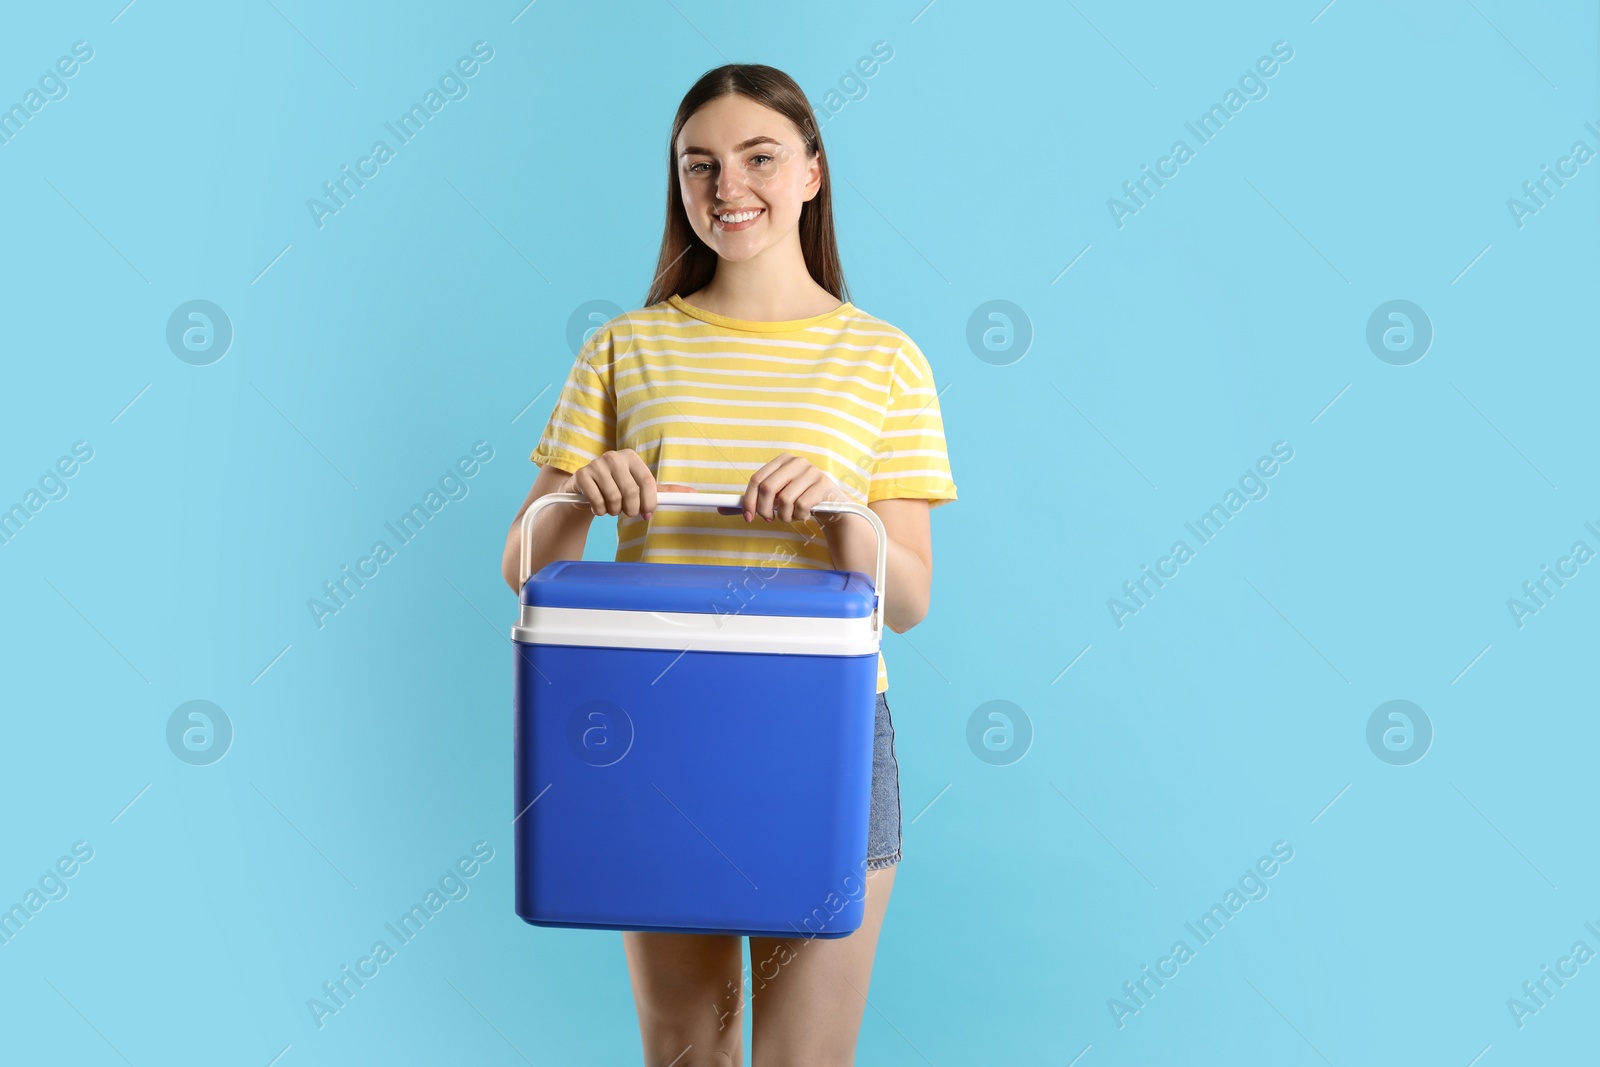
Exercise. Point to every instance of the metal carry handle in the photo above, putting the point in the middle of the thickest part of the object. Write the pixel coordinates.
(733, 503)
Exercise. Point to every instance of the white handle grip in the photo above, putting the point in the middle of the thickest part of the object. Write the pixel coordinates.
(734, 503)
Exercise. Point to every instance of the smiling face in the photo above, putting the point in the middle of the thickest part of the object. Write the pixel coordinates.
(736, 157)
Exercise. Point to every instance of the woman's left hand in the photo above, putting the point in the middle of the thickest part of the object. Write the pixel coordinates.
(787, 488)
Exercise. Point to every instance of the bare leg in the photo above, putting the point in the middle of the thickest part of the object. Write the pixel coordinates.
(688, 990)
(808, 1013)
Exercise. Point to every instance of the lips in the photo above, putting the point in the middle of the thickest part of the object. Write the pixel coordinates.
(739, 225)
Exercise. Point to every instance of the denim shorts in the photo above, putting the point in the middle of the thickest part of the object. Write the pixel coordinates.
(883, 822)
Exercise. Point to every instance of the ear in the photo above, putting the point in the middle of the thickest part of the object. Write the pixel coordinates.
(813, 176)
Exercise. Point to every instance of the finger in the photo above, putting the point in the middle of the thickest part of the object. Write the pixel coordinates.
(632, 478)
(789, 481)
(587, 482)
(610, 497)
(752, 492)
(814, 494)
(815, 488)
(765, 484)
(776, 491)
(645, 501)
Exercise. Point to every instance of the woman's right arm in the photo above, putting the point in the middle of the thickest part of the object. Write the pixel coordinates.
(558, 533)
(617, 483)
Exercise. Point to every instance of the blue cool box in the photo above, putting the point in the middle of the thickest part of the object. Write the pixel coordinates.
(694, 747)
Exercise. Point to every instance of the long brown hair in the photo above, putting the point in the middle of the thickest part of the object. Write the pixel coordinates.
(685, 264)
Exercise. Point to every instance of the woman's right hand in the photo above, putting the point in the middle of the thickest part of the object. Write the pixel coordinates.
(619, 483)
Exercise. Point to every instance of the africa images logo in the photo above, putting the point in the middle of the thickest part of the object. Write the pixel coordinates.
(452, 86)
(453, 486)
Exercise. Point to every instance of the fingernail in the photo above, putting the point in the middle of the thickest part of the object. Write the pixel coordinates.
(748, 516)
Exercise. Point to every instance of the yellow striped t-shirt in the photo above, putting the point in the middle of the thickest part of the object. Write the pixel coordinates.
(706, 400)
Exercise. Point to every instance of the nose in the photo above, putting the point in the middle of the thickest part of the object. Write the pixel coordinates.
(730, 184)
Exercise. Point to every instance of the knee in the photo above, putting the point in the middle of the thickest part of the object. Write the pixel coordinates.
(689, 1054)
(818, 1053)
(671, 1039)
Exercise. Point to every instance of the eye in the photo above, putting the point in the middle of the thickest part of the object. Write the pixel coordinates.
(760, 156)
(691, 168)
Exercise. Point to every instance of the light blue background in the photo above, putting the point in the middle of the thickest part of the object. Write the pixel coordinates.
(431, 313)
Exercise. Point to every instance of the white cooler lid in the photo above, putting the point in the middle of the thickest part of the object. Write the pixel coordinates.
(696, 631)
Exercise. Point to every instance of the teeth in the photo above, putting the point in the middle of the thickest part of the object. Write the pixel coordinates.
(743, 216)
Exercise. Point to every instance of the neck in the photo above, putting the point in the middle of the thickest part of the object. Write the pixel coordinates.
(774, 286)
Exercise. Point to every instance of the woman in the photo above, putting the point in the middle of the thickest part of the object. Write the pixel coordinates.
(764, 380)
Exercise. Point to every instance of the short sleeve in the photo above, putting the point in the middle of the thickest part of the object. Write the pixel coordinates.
(912, 459)
(584, 422)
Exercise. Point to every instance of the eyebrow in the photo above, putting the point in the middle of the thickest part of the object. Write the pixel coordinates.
(694, 150)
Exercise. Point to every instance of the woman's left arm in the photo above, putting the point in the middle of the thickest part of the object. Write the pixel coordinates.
(853, 543)
(787, 487)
